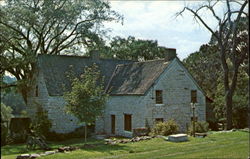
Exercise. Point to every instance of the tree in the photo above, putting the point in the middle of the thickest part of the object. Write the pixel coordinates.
(87, 98)
(131, 49)
(5, 119)
(205, 66)
(240, 100)
(226, 39)
(32, 27)
(11, 97)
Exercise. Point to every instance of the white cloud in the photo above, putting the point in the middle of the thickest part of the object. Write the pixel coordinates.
(155, 20)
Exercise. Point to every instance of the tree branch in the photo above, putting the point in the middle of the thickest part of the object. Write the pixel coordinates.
(201, 20)
(72, 32)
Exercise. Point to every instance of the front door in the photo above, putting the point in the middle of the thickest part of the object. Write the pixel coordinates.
(113, 124)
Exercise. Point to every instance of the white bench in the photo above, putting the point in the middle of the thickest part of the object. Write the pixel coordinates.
(178, 138)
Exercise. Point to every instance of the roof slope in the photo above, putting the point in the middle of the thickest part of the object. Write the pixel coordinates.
(135, 78)
(55, 67)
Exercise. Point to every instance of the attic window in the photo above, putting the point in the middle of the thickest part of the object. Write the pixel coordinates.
(157, 120)
(36, 90)
(193, 96)
(158, 99)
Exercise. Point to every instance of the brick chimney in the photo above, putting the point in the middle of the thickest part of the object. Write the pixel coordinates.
(94, 54)
(170, 54)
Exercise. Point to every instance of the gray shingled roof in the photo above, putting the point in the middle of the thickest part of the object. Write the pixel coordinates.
(55, 67)
(135, 78)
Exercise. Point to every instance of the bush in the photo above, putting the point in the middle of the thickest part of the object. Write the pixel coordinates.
(18, 129)
(41, 124)
(200, 127)
(165, 128)
(5, 119)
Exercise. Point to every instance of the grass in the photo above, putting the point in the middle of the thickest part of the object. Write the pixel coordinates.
(220, 145)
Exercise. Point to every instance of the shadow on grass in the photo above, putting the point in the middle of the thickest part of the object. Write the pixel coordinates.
(17, 149)
(91, 145)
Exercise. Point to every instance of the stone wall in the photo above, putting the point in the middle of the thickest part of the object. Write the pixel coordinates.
(176, 84)
(120, 105)
(54, 105)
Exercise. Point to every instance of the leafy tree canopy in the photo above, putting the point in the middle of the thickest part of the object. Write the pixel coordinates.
(131, 48)
(87, 99)
(5, 113)
(32, 27)
(205, 65)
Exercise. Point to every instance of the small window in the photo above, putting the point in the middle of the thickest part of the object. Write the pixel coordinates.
(158, 99)
(127, 122)
(193, 96)
(157, 120)
(194, 119)
(36, 90)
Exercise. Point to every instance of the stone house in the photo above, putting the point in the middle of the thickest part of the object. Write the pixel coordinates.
(141, 93)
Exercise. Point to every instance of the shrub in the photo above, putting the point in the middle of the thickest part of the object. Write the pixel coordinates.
(41, 124)
(5, 118)
(200, 127)
(19, 128)
(165, 128)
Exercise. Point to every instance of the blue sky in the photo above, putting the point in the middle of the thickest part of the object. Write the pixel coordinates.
(155, 20)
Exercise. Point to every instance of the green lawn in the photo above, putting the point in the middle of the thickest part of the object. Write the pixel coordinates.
(219, 145)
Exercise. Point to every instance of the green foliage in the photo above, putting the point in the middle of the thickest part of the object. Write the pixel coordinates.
(200, 127)
(5, 119)
(32, 27)
(11, 97)
(87, 98)
(165, 128)
(132, 49)
(24, 113)
(41, 124)
(6, 113)
(206, 68)
(240, 101)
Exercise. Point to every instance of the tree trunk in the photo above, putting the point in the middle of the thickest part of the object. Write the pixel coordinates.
(24, 93)
(229, 106)
(85, 135)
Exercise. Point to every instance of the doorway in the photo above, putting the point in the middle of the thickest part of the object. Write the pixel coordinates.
(112, 124)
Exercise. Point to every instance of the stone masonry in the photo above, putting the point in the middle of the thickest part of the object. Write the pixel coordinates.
(176, 84)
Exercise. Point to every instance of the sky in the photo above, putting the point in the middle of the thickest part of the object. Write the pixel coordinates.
(156, 20)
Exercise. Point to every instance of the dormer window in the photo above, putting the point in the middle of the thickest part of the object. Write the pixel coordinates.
(158, 97)
(36, 91)
(193, 96)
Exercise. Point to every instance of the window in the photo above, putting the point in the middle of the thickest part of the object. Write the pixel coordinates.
(158, 99)
(127, 122)
(157, 120)
(36, 90)
(194, 119)
(193, 96)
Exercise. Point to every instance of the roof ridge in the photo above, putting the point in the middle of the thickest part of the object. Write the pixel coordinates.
(89, 57)
(141, 62)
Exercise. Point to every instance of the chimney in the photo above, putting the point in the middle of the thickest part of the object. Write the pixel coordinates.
(170, 54)
(94, 54)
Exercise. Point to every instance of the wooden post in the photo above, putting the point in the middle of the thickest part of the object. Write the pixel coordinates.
(85, 132)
